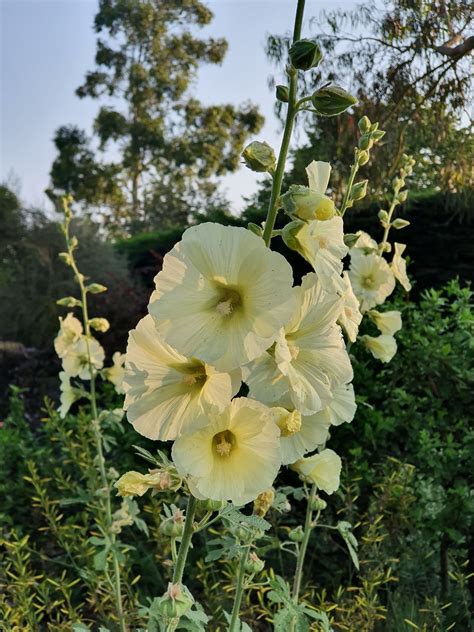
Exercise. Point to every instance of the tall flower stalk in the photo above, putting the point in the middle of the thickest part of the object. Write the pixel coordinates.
(69, 259)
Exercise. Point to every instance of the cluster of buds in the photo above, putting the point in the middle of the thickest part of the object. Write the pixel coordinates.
(399, 196)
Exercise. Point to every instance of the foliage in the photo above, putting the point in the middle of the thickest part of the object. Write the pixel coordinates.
(158, 146)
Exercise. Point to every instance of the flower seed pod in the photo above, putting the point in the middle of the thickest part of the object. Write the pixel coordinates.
(254, 564)
(176, 601)
(297, 534)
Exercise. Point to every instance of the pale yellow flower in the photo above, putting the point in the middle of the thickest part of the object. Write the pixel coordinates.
(116, 372)
(235, 457)
(341, 409)
(321, 243)
(309, 356)
(166, 393)
(365, 242)
(68, 394)
(382, 347)
(323, 469)
(309, 203)
(371, 278)
(70, 330)
(299, 433)
(350, 316)
(399, 267)
(76, 358)
(386, 322)
(222, 296)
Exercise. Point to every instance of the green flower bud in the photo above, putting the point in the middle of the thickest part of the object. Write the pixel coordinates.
(362, 158)
(366, 142)
(305, 54)
(176, 601)
(318, 504)
(255, 228)
(96, 288)
(382, 215)
(212, 505)
(402, 196)
(100, 324)
(400, 223)
(254, 564)
(173, 527)
(282, 93)
(297, 534)
(332, 100)
(289, 233)
(259, 157)
(364, 124)
(66, 257)
(74, 242)
(307, 204)
(377, 135)
(359, 190)
(374, 127)
(69, 301)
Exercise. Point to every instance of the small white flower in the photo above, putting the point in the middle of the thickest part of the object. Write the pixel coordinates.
(70, 330)
(399, 267)
(222, 296)
(76, 359)
(386, 322)
(323, 469)
(350, 316)
(116, 372)
(371, 278)
(382, 347)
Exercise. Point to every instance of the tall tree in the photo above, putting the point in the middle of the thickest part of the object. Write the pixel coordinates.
(158, 148)
(409, 63)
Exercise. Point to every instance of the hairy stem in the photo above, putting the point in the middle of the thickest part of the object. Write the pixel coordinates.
(285, 143)
(185, 541)
(239, 592)
(308, 527)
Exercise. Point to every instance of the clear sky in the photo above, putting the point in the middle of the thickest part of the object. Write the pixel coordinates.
(48, 45)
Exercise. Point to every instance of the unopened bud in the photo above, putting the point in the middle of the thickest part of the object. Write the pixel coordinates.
(364, 124)
(377, 135)
(259, 157)
(289, 234)
(173, 527)
(96, 288)
(69, 301)
(359, 190)
(332, 100)
(305, 54)
(100, 324)
(255, 228)
(282, 93)
(297, 534)
(382, 215)
(176, 601)
(402, 196)
(365, 142)
(254, 564)
(362, 158)
(318, 504)
(350, 239)
(400, 223)
(66, 257)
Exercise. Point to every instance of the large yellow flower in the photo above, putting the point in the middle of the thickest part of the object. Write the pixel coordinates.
(341, 409)
(309, 357)
(386, 322)
(222, 296)
(167, 393)
(235, 457)
(323, 469)
(371, 278)
(382, 347)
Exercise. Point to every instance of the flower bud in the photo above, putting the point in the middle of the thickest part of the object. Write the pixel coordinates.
(212, 505)
(318, 504)
(303, 202)
(362, 158)
(400, 223)
(350, 239)
(377, 135)
(364, 124)
(402, 196)
(66, 257)
(305, 54)
(69, 301)
(263, 502)
(96, 288)
(359, 190)
(173, 527)
(365, 142)
(254, 564)
(259, 157)
(100, 324)
(332, 100)
(74, 242)
(176, 601)
(297, 534)
(382, 215)
(255, 228)
(282, 93)
(289, 234)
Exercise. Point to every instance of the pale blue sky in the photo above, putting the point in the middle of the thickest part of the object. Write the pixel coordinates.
(48, 45)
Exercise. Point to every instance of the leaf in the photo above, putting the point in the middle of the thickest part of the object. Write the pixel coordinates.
(252, 522)
(80, 627)
(345, 529)
(100, 560)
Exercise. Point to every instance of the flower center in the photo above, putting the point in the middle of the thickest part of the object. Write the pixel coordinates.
(294, 351)
(223, 443)
(194, 374)
(368, 282)
(290, 424)
(228, 301)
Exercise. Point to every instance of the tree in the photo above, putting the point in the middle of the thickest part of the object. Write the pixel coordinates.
(158, 148)
(408, 62)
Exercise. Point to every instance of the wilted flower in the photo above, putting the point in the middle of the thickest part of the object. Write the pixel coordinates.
(263, 502)
(386, 322)
(323, 469)
(167, 393)
(235, 457)
(222, 296)
(350, 316)
(116, 372)
(136, 484)
(309, 356)
(382, 347)
(77, 356)
(371, 279)
(70, 330)
(399, 267)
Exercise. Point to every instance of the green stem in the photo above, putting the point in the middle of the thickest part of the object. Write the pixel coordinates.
(98, 435)
(347, 194)
(285, 143)
(185, 541)
(308, 527)
(389, 219)
(239, 592)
